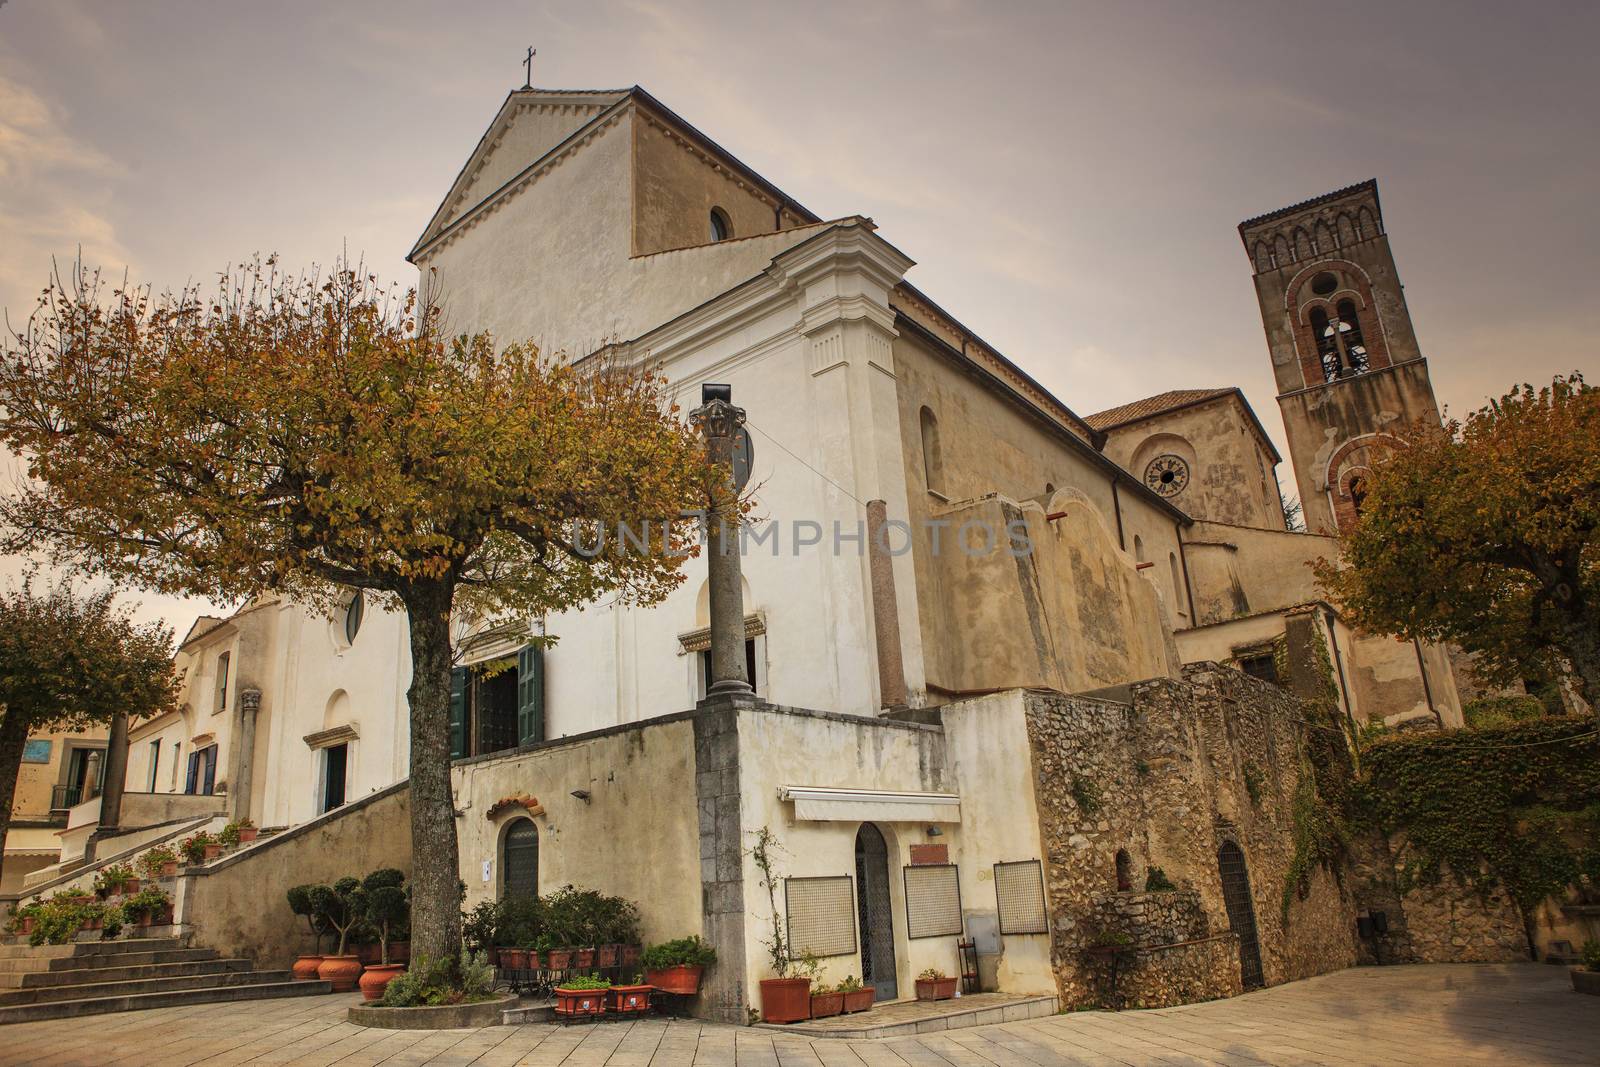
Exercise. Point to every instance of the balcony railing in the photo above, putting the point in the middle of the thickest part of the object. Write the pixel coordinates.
(63, 797)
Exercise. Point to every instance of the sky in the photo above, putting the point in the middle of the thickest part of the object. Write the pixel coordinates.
(1068, 176)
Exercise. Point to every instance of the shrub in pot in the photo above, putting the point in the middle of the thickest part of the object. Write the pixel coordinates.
(386, 908)
(23, 917)
(199, 847)
(148, 906)
(934, 984)
(112, 880)
(159, 862)
(238, 832)
(1586, 979)
(785, 998)
(676, 966)
(300, 902)
(857, 997)
(341, 905)
(631, 999)
(582, 995)
(478, 929)
(518, 928)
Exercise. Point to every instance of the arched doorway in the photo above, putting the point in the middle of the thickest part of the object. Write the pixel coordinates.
(1241, 911)
(876, 914)
(519, 860)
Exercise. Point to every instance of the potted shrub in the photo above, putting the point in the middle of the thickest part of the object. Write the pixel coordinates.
(1586, 979)
(199, 847)
(934, 984)
(478, 929)
(112, 880)
(305, 967)
(631, 999)
(23, 917)
(857, 997)
(159, 862)
(582, 995)
(785, 998)
(341, 905)
(386, 909)
(676, 966)
(238, 832)
(150, 906)
(518, 926)
(826, 1000)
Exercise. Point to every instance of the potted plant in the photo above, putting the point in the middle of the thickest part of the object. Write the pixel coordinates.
(386, 910)
(857, 997)
(560, 959)
(199, 847)
(238, 832)
(785, 998)
(113, 880)
(826, 1000)
(341, 905)
(159, 862)
(150, 906)
(1586, 979)
(582, 995)
(934, 984)
(305, 967)
(24, 916)
(631, 999)
(676, 966)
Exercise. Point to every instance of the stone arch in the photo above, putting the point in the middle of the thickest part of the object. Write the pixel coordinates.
(1346, 228)
(1298, 302)
(517, 856)
(1263, 257)
(337, 710)
(1367, 223)
(1323, 238)
(1302, 244)
(1282, 255)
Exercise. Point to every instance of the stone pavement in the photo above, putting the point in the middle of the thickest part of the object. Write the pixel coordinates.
(1440, 1014)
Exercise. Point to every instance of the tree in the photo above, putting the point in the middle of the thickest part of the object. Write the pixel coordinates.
(300, 437)
(1484, 534)
(68, 662)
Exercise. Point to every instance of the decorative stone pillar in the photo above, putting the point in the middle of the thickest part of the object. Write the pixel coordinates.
(720, 423)
(245, 746)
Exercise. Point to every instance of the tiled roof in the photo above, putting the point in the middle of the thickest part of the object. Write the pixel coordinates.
(1370, 183)
(1159, 404)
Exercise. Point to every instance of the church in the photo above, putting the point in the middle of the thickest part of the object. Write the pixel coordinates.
(1066, 679)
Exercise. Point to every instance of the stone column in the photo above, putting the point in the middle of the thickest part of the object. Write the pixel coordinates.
(116, 773)
(720, 422)
(885, 609)
(245, 746)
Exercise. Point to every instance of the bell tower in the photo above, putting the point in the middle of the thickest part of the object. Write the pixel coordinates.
(1345, 357)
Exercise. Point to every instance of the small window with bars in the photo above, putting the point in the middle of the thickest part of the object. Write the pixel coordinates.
(1019, 897)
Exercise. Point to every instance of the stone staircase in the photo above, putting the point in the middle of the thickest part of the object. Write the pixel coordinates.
(94, 977)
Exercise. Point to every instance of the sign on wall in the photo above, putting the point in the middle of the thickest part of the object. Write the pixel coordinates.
(933, 901)
(822, 915)
(1019, 894)
(36, 752)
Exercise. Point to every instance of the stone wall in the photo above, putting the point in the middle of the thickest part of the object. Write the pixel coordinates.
(1168, 772)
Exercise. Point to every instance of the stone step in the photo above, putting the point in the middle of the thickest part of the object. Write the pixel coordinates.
(123, 959)
(26, 951)
(66, 1009)
(95, 990)
(83, 976)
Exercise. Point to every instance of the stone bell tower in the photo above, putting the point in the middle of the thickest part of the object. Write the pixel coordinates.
(1348, 368)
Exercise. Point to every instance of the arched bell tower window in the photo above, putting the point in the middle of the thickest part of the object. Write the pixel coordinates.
(1357, 488)
(1341, 344)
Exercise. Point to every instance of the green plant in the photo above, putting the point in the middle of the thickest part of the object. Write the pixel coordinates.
(1489, 712)
(301, 904)
(1156, 881)
(1109, 939)
(111, 878)
(151, 901)
(19, 912)
(1253, 781)
(1085, 794)
(762, 854)
(154, 859)
(341, 905)
(193, 847)
(58, 919)
(436, 982)
(683, 952)
(386, 909)
(806, 965)
(587, 981)
(933, 974)
(230, 833)
(1591, 955)
(479, 926)
(849, 984)
(584, 917)
(520, 922)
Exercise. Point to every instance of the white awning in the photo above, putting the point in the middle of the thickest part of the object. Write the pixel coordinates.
(823, 804)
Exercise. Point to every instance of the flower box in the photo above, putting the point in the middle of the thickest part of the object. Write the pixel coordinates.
(936, 988)
(630, 999)
(560, 959)
(684, 979)
(859, 1000)
(826, 1004)
(584, 958)
(513, 959)
(169, 869)
(631, 954)
(607, 955)
(576, 1003)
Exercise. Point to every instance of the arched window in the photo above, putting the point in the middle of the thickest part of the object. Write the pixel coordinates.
(721, 228)
(519, 860)
(1354, 344)
(1138, 549)
(932, 460)
(1357, 488)
(1124, 871)
(1177, 585)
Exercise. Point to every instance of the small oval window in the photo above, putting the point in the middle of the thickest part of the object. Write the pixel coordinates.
(1324, 283)
(352, 617)
(721, 228)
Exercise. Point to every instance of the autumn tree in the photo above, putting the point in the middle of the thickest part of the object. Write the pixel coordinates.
(284, 435)
(69, 662)
(1483, 533)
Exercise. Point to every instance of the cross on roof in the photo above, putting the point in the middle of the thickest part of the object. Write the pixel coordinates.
(528, 63)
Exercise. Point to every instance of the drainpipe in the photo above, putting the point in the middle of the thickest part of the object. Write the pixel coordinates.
(1183, 561)
(1116, 507)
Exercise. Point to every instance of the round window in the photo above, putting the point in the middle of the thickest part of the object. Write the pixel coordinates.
(1324, 283)
(1168, 475)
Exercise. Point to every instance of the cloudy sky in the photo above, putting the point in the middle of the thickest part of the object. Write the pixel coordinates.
(1068, 176)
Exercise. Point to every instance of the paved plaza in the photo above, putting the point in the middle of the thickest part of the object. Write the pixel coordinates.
(1437, 1014)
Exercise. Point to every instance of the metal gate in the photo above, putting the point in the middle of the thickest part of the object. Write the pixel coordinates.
(519, 862)
(1241, 911)
(876, 915)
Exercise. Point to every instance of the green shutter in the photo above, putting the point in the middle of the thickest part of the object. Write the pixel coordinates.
(530, 695)
(458, 713)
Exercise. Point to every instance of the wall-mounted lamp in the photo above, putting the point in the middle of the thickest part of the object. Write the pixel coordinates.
(581, 794)
(934, 831)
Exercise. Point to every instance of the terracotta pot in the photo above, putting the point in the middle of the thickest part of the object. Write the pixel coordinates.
(27, 925)
(584, 958)
(859, 1000)
(369, 954)
(305, 968)
(130, 887)
(212, 852)
(145, 919)
(631, 954)
(936, 988)
(630, 999)
(514, 959)
(342, 971)
(374, 978)
(580, 1002)
(826, 1004)
(785, 1000)
(680, 979)
(607, 955)
(165, 918)
(399, 952)
(247, 834)
(560, 959)
(169, 869)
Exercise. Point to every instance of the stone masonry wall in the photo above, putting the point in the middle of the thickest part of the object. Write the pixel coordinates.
(1168, 775)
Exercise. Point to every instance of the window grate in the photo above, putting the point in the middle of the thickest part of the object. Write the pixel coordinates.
(933, 901)
(822, 915)
(1019, 897)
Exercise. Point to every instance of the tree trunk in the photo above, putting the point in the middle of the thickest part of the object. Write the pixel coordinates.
(1580, 640)
(13, 739)
(435, 862)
